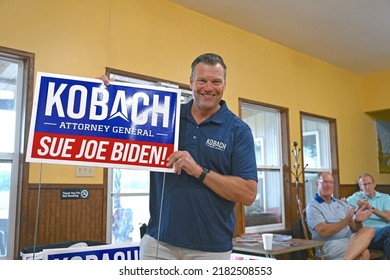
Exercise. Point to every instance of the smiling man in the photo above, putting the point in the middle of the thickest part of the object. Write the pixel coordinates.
(379, 203)
(192, 210)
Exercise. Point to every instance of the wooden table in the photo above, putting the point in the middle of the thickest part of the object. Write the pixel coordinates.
(290, 246)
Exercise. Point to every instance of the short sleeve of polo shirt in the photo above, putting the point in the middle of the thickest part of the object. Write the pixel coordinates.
(314, 215)
(385, 202)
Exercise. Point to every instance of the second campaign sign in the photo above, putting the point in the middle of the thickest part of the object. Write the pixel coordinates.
(81, 121)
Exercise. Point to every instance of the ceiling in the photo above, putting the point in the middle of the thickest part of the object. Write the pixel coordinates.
(351, 34)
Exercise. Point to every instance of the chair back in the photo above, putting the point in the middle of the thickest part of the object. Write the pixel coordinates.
(306, 232)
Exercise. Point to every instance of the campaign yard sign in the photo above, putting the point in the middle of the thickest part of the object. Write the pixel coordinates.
(80, 121)
(121, 251)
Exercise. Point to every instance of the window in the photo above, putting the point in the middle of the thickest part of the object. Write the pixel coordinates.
(266, 122)
(11, 112)
(128, 203)
(317, 135)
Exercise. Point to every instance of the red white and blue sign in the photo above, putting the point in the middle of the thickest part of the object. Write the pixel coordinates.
(122, 251)
(80, 121)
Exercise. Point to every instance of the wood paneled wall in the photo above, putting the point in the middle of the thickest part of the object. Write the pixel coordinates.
(61, 220)
(347, 190)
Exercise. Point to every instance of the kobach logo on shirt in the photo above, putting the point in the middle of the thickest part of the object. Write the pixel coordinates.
(214, 144)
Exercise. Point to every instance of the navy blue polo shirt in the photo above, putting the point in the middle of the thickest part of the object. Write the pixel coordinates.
(192, 215)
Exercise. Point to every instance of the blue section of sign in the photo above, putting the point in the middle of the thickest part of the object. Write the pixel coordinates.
(123, 111)
(120, 253)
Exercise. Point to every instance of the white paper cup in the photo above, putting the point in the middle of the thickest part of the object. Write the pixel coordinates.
(267, 240)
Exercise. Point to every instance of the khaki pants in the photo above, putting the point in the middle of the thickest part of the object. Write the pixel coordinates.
(150, 249)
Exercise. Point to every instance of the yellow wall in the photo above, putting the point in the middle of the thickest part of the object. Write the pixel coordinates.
(376, 92)
(159, 38)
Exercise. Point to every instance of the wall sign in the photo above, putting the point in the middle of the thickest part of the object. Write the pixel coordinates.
(383, 145)
(74, 194)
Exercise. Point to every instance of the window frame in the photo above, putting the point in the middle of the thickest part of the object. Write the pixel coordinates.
(333, 151)
(20, 167)
(285, 168)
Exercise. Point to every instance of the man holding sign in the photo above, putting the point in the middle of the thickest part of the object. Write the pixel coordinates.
(192, 209)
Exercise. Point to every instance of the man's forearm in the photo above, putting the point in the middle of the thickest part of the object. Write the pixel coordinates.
(385, 215)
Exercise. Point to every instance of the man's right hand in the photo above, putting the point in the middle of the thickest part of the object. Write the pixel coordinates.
(364, 203)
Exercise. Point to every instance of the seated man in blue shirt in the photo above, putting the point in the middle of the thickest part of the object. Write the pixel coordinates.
(369, 198)
(333, 221)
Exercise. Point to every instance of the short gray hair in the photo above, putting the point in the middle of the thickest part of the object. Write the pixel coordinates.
(210, 59)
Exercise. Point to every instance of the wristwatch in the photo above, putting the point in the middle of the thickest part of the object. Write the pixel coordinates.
(204, 173)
